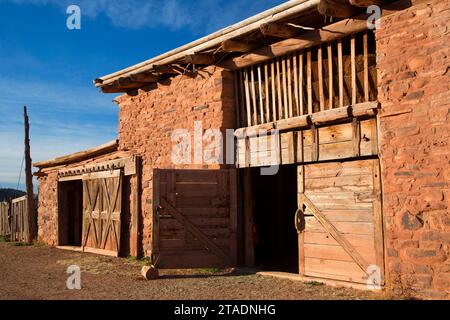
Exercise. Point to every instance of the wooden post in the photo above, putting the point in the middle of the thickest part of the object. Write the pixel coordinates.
(134, 242)
(31, 212)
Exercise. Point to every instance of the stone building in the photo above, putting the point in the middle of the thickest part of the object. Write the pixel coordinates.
(353, 120)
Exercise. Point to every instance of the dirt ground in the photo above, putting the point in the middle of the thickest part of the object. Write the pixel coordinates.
(39, 272)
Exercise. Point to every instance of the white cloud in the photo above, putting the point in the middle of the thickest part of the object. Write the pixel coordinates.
(201, 16)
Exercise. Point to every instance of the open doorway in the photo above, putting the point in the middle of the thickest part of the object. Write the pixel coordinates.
(70, 213)
(274, 207)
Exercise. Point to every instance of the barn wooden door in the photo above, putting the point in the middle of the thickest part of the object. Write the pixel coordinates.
(194, 218)
(102, 207)
(339, 221)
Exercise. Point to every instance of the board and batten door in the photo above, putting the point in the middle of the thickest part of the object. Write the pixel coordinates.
(339, 221)
(194, 218)
(102, 207)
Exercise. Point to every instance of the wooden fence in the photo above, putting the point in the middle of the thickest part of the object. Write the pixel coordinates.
(4, 219)
(333, 75)
(19, 220)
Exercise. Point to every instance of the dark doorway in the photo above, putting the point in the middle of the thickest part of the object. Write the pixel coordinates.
(70, 213)
(274, 207)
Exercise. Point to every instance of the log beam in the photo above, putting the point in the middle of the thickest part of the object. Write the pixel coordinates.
(167, 69)
(338, 9)
(278, 30)
(199, 58)
(237, 46)
(79, 156)
(365, 3)
(144, 77)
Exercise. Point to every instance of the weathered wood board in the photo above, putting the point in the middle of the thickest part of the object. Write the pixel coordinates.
(341, 232)
(335, 142)
(195, 218)
(19, 220)
(4, 219)
(102, 208)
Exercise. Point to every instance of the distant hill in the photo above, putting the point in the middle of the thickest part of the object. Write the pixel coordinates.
(6, 194)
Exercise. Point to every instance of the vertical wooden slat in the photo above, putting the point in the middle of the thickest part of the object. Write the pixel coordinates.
(366, 68)
(320, 72)
(266, 92)
(300, 76)
(285, 98)
(238, 104)
(356, 137)
(341, 74)
(315, 143)
(353, 66)
(247, 99)
(260, 94)
(289, 85)
(378, 220)
(309, 84)
(330, 76)
(255, 107)
(244, 116)
(280, 97)
(274, 101)
(295, 68)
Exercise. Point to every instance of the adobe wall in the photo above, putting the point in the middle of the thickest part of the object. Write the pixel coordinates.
(413, 58)
(148, 118)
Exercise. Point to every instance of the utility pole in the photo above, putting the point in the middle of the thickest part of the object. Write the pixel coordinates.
(29, 182)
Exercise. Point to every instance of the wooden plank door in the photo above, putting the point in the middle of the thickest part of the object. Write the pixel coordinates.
(102, 207)
(194, 218)
(339, 220)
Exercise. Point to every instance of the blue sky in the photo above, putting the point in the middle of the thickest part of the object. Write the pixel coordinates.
(50, 69)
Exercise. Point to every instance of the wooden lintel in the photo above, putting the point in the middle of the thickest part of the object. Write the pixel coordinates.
(237, 46)
(199, 58)
(127, 164)
(278, 30)
(365, 3)
(338, 9)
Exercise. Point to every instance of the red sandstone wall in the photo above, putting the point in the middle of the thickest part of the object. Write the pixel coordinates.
(413, 53)
(146, 122)
(48, 209)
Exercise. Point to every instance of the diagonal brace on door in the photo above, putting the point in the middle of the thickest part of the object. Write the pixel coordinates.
(331, 229)
(208, 243)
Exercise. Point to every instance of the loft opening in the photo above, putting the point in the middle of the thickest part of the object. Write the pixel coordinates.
(332, 75)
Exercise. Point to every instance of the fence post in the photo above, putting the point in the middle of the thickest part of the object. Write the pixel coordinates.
(31, 212)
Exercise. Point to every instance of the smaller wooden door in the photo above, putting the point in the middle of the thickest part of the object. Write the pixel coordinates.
(102, 207)
(339, 221)
(195, 218)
